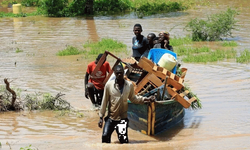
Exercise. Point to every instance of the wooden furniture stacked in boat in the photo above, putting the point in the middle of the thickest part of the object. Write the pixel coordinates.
(154, 117)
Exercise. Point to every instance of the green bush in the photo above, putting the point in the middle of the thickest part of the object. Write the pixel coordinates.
(30, 3)
(76, 8)
(112, 6)
(215, 27)
(153, 8)
(55, 8)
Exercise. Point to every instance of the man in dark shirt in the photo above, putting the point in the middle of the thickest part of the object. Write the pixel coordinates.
(140, 43)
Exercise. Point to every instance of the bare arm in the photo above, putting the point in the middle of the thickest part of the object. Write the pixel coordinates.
(86, 80)
(85, 85)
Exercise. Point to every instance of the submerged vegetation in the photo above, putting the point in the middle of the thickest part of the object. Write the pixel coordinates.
(229, 44)
(45, 101)
(18, 50)
(94, 48)
(105, 44)
(10, 99)
(244, 57)
(213, 56)
(189, 52)
(69, 50)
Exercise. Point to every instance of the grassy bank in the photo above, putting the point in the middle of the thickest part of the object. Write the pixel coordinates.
(69, 8)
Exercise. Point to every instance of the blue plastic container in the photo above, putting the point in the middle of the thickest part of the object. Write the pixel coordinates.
(156, 53)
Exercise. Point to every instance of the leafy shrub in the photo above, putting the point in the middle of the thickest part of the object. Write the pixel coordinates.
(112, 5)
(76, 8)
(55, 8)
(153, 8)
(215, 27)
(29, 3)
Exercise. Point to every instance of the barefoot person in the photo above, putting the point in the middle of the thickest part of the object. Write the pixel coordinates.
(93, 84)
(116, 94)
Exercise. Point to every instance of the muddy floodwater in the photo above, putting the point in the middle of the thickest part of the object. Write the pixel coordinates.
(223, 87)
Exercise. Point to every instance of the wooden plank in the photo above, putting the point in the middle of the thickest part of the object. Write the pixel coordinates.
(184, 93)
(141, 84)
(155, 80)
(149, 119)
(112, 70)
(192, 100)
(99, 64)
(153, 118)
(179, 97)
(183, 72)
(149, 66)
(149, 78)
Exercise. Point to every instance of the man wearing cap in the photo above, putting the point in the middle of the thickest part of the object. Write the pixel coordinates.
(93, 84)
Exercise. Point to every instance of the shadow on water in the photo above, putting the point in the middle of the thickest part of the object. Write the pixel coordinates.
(91, 27)
(190, 121)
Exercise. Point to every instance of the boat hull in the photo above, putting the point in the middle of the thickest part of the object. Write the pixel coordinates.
(154, 117)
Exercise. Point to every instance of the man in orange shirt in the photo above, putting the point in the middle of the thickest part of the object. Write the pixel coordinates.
(93, 84)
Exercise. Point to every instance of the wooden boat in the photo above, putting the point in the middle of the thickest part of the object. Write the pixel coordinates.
(160, 115)
(154, 117)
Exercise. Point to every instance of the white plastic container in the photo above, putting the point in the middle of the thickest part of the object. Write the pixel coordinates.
(167, 61)
(17, 8)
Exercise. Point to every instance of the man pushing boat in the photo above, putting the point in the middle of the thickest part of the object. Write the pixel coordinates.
(116, 94)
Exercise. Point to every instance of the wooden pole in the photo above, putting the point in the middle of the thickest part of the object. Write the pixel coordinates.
(164, 89)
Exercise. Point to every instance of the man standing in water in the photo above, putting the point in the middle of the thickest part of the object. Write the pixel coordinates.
(93, 84)
(116, 94)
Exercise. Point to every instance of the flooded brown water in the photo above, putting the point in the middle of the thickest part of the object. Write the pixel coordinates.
(223, 87)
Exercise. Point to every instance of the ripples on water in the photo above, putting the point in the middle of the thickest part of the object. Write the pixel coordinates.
(223, 87)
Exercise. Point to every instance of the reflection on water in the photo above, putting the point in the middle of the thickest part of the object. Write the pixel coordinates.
(223, 87)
